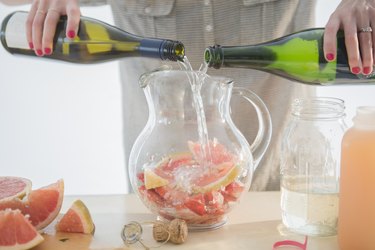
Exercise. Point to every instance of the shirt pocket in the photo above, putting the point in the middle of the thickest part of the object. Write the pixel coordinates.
(255, 2)
(263, 20)
(148, 18)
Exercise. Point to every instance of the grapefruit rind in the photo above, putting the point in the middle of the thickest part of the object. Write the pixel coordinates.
(76, 220)
(222, 182)
(14, 223)
(174, 160)
(152, 180)
(13, 187)
(42, 205)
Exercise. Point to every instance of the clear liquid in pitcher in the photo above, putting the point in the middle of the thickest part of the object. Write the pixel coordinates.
(190, 161)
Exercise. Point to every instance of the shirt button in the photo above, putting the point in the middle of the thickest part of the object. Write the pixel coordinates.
(206, 2)
(209, 27)
(148, 10)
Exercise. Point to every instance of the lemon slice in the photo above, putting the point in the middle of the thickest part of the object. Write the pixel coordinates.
(153, 180)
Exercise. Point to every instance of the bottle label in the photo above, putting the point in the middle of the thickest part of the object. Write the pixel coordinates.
(15, 32)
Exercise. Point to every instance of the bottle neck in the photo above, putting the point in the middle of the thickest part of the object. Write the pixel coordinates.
(163, 49)
(250, 56)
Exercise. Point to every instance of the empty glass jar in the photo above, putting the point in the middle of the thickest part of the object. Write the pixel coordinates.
(310, 166)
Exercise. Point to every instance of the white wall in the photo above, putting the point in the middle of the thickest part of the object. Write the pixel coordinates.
(60, 120)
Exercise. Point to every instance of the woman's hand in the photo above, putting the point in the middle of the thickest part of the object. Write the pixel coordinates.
(357, 19)
(42, 20)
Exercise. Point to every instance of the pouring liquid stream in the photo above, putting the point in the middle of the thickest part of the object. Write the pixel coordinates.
(196, 80)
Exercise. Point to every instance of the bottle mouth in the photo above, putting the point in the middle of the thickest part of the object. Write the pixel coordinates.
(213, 56)
(174, 51)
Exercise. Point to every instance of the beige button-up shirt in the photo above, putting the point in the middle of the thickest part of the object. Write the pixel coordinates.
(202, 23)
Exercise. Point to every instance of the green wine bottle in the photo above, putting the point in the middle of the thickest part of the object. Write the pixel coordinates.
(96, 41)
(297, 57)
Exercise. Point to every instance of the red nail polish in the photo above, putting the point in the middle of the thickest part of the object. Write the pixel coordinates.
(47, 51)
(71, 34)
(39, 52)
(366, 70)
(330, 56)
(356, 70)
(31, 45)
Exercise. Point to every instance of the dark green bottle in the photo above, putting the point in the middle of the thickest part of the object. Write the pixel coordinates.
(297, 57)
(96, 41)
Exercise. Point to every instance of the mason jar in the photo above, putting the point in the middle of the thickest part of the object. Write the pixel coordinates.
(310, 166)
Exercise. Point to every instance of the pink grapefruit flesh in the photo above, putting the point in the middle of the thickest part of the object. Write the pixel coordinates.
(189, 186)
(16, 231)
(13, 187)
(41, 205)
(76, 220)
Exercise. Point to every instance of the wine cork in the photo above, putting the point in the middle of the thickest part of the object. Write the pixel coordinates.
(176, 230)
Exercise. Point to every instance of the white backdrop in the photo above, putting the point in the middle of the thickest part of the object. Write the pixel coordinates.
(60, 120)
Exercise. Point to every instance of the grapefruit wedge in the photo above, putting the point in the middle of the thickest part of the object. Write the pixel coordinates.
(16, 231)
(13, 187)
(41, 205)
(76, 220)
(152, 180)
(219, 177)
(216, 152)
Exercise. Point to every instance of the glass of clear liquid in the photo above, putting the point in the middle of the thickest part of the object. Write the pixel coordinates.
(310, 166)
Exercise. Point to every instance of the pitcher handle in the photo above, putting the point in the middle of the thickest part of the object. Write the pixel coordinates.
(263, 137)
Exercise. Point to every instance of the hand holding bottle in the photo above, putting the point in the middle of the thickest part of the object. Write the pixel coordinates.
(42, 21)
(355, 17)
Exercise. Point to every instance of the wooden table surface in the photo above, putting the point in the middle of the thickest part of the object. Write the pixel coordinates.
(255, 223)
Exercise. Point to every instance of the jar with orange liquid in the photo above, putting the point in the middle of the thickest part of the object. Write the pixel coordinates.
(356, 224)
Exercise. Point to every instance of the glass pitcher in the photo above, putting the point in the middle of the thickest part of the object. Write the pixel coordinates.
(169, 169)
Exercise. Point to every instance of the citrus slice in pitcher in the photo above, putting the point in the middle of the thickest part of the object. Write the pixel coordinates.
(152, 180)
(216, 153)
(218, 177)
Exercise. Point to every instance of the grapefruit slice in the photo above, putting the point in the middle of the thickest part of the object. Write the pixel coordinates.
(216, 152)
(76, 220)
(16, 231)
(152, 180)
(220, 176)
(42, 205)
(13, 187)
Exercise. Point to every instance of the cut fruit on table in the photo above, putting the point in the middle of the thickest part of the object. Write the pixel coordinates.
(14, 187)
(16, 231)
(41, 205)
(76, 220)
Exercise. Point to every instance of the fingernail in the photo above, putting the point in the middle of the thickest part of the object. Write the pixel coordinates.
(47, 51)
(366, 70)
(71, 34)
(31, 45)
(330, 56)
(39, 52)
(356, 70)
